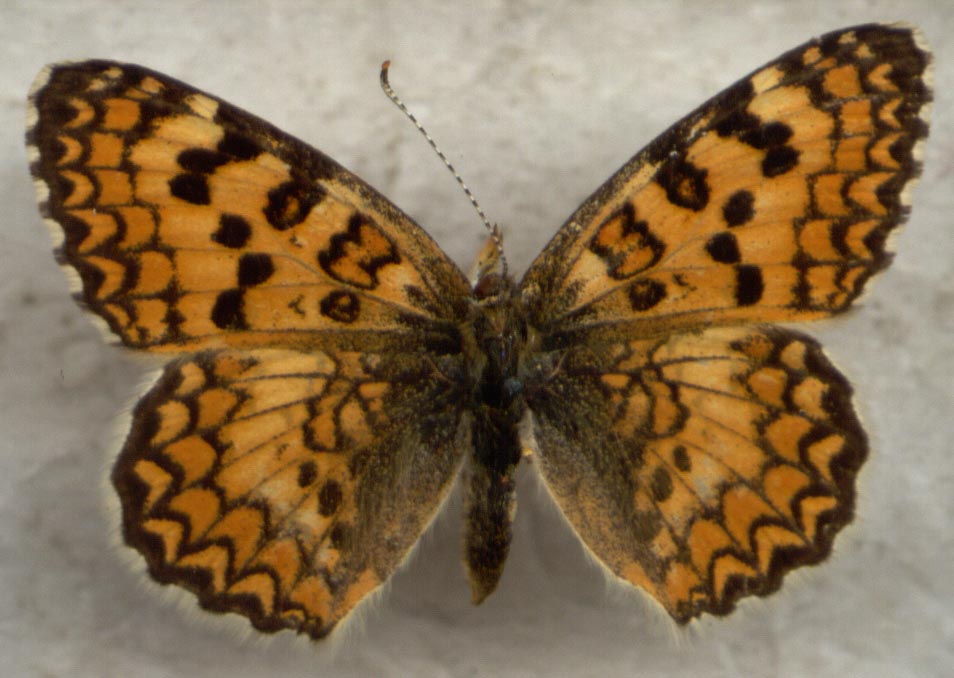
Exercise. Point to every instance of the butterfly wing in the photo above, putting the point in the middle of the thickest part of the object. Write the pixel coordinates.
(285, 463)
(771, 202)
(701, 467)
(698, 463)
(193, 224)
(286, 486)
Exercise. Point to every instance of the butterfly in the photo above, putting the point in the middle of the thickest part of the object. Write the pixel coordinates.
(332, 373)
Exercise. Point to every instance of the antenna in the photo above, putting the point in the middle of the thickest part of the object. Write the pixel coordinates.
(396, 100)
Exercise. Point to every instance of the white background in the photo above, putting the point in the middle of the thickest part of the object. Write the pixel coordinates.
(537, 103)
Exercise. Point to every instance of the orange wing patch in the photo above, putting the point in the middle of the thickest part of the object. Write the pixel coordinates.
(275, 483)
(195, 225)
(726, 458)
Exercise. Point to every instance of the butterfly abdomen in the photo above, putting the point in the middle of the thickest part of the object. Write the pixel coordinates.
(498, 406)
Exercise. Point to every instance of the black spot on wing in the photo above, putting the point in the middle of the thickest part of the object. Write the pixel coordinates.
(238, 146)
(201, 160)
(661, 484)
(645, 294)
(329, 498)
(749, 285)
(723, 248)
(739, 209)
(254, 269)
(680, 457)
(684, 183)
(191, 187)
(737, 123)
(228, 312)
(307, 473)
(234, 231)
(768, 135)
(779, 160)
(290, 203)
(341, 306)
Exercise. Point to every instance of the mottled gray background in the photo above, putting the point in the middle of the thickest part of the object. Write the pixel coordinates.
(536, 102)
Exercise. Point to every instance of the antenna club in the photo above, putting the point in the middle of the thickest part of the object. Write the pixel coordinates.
(384, 71)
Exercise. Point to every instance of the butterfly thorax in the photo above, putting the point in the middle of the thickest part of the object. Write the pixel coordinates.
(499, 333)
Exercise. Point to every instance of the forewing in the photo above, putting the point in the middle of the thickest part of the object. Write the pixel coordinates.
(703, 467)
(287, 486)
(193, 224)
(771, 202)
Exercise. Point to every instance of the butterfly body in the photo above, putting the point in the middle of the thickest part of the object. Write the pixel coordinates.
(332, 372)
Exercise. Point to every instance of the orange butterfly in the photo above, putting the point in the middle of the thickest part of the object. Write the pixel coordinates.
(332, 371)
